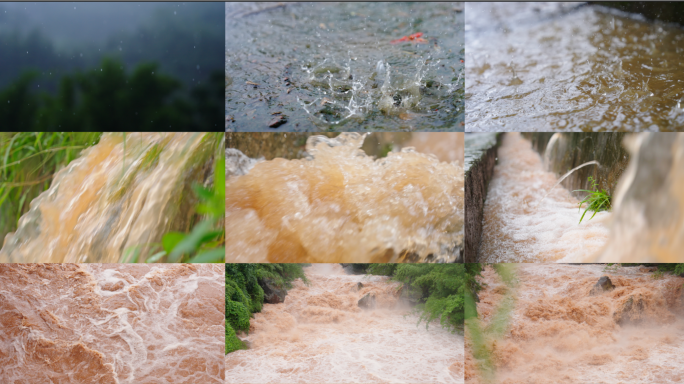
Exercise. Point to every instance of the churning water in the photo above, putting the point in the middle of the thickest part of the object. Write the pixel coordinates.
(112, 323)
(320, 335)
(559, 332)
(339, 204)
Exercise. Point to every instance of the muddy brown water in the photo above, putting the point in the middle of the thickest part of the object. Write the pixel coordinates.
(560, 333)
(111, 323)
(568, 66)
(320, 335)
(340, 205)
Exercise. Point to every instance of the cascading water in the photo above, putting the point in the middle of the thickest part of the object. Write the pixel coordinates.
(515, 230)
(120, 193)
(340, 204)
(112, 323)
(320, 335)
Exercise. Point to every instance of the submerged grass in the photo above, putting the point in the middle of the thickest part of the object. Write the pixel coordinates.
(596, 201)
(28, 163)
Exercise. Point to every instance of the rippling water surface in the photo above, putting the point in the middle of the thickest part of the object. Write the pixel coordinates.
(330, 66)
(564, 66)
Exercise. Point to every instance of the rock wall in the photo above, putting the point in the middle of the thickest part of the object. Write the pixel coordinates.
(480, 158)
(564, 151)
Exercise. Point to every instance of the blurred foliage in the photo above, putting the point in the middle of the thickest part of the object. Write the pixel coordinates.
(245, 296)
(28, 162)
(483, 340)
(109, 100)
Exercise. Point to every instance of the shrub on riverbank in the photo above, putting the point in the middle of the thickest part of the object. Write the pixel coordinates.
(441, 288)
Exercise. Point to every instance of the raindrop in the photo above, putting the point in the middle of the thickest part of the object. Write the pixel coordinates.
(81, 55)
(197, 66)
(174, 12)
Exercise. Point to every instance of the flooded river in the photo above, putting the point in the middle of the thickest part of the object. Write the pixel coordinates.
(111, 323)
(335, 66)
(559, 332)
(569, 66)
(121, 193)
(338, 204)
(320, 335)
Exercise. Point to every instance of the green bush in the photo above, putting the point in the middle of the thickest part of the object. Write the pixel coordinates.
(233, 343)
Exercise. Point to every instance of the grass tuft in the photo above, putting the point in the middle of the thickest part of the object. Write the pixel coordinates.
(596, 201)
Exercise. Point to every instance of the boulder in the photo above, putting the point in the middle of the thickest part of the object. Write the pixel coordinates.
(367, 302)
(272, 293)
(246, 343)
(357, 287)
(603, 285)
(631, 311)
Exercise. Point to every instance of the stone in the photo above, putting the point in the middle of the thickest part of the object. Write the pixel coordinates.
(367, 302)
(631, 311)
(603, 285)
(277, 121)
(272, 293)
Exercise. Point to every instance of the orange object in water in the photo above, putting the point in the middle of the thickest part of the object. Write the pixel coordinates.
(415, 37)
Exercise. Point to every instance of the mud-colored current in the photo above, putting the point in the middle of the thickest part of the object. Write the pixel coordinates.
(571, 66)
(340, 204)
(320, 335)
(125, 191)
(333, 66)
(112, 323)
(528, 218)
(560, 333)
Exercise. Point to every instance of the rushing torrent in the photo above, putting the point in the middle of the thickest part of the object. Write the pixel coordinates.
(320, 335)
(342, 205)
(562, 332)
(120, 193)
(524, 224)
(111, 323)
